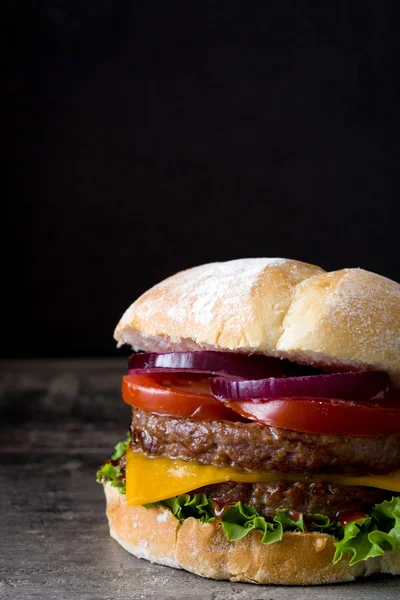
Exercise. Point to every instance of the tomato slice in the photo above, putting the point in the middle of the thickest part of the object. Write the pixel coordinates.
(188, 395)
(324, 416)
(178, 395)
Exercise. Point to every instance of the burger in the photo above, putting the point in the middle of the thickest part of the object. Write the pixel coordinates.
(264, 444)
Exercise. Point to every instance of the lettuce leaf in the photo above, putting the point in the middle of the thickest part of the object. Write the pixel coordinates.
(323, 524)
(239, 519)
(121, 447)
(387, 516)
(111, 471)
(183, 507)
(282, 516)
(112, 474)
(373, 535)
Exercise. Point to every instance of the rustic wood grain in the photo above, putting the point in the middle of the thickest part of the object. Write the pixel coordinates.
(58, 422)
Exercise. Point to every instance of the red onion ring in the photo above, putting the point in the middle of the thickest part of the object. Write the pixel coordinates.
(359, 385)
(230, 364)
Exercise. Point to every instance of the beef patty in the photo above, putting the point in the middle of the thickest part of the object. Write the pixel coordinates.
(309, 498)
(256, 447)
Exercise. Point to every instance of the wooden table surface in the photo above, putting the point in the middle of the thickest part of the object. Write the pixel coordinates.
(58, 422)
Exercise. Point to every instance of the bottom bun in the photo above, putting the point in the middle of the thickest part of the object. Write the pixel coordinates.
(202, 548)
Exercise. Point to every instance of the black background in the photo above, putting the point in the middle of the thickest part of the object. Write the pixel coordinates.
(147, 137)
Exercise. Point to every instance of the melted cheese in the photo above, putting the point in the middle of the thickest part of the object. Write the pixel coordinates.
(152, 479)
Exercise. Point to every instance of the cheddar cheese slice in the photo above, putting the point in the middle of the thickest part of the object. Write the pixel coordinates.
(152, 479)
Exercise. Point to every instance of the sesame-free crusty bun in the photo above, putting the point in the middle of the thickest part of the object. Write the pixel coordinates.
(202, 548)
(278, 307)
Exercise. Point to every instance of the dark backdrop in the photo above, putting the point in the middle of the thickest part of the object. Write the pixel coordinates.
(146, 137)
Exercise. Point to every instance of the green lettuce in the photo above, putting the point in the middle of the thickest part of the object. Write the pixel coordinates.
(120, 448)
(113, 475)
(111, 471)
(183, 507)
(239, 519)
(323, 524)
(373, 535)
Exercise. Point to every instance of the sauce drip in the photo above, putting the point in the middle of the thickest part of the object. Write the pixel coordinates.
(294, 514)
(348, 516)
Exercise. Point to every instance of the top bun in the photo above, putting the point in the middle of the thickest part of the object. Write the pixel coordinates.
(277, 307)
